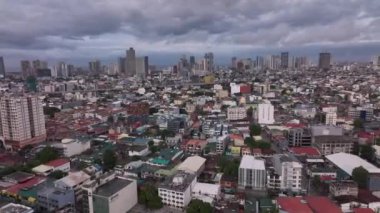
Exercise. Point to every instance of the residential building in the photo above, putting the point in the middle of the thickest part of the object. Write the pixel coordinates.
(236, 113)
(299, 137)
(288, 172)
(109, 194)
(74, 181)
(194, 146)
(16, 208)
(176, 191)
(363, 112)
(26, 69)
(52, 199)
(141, 69)
(330, 118)
(206, 192)
(71, 146)
(324, 61)
(22, 121)
(330, 144)
(252, 173)
(376, 62)
(122, 65)
(344, 188)
(265, 113)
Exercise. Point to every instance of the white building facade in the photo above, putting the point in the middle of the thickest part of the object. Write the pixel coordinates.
(252, 173)
(265, 113)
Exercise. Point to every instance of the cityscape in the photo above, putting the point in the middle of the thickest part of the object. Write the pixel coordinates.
(194, 124)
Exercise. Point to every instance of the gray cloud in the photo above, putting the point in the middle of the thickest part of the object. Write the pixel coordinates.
(98, 28)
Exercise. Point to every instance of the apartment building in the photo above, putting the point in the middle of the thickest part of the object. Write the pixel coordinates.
(22, 121)
(330, 144)
(236, 113)
(265, 113)
(286, 173)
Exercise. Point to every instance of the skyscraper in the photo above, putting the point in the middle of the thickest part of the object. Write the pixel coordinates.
(324, 61)
(233, 62)
(140, 67)
(375, 63)
(284, 60)
(209, 60)
(26, 68)
(122, 65)
(95, 66)
(38, 64)
(146, 62)
(62, 71)
(2, 67)
(131, 62)
(22, 120)
(192, 60)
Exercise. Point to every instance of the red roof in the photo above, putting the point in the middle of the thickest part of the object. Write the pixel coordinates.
(291, 125)
(310, 151)
(363, 210)
(321, 204)
(27, 184)
(293, 205)
(236, 137)
(57, 163)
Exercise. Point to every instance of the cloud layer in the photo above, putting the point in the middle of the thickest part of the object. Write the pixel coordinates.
(83, 29)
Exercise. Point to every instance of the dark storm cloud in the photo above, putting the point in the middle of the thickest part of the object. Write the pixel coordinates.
(91, 27)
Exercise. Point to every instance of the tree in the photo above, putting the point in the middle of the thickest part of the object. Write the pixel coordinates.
(47, 154)
(358, 124)
(249, 141)
(367, 152)
(109, 159)
(57, 174)
(166, 133)
(110, 119)
(356, 148)
(148, 196)
(255, 129)
(360, 175)
(50, 111)
(198, 206)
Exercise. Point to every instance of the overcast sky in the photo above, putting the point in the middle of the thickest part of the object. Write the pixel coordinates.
(80, 30)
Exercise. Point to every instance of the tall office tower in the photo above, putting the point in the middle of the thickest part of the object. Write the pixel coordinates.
(192, 61)
(324, 61)
(95, 66)
(275, 62)
(26, 69)
(38, 64)
(209, 61)
(146, 63)
(375, 63)
(122, 65)
(22, 120)
(131, 62)
(234, 62)
(62, 70)
(2, 67)
(140, 67)
(300, 63)
(70, 70)
(284, 60)
(259, 62)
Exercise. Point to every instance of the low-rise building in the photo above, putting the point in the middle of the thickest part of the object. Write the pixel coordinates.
(344, 188)
(193, 164)
(176, 191)
(52, 199)
(331, 144)
(236, 113)
(206, 192)
(287, 173)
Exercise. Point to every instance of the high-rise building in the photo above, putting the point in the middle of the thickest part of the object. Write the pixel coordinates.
(375, 62)
(209, 61)
(284, 60)
(300, 63)
(130, 62)
(2, 67)
(192, 61)
(38, 64)
(62, 71)
(324, 61)
(22, 120)
(146, 62)
(234, 62)
(141, 68)
(95, 66)
(26, 68)
(275, 62)
(122, 65)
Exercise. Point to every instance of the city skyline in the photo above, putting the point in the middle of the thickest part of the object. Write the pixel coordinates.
(104, 30)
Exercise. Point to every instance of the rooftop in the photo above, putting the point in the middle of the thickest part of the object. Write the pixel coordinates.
(192, 163)
(321, 204)
(293, 205)
(178, 182)
(310, 151)
(250, 162)
(57, 162)
(15, 208)
(341, 161)
(112, 187)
